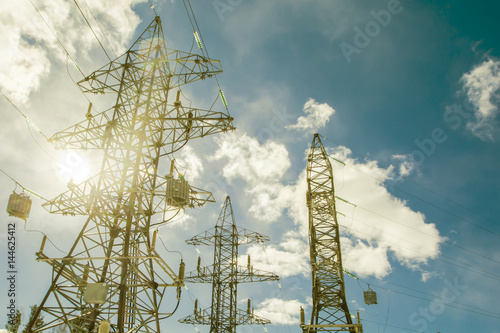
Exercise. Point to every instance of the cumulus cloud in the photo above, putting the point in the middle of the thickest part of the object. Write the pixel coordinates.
(481, 86)
(189, 164)
(30, 47)
(406, 165)
(386, 225)
(290, 258)
(377, 229)
(365, 259)
(255, 163)
(249, 160)
(317, 115)
(279, 311)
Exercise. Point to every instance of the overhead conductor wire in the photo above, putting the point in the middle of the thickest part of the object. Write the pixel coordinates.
(438, 238)
(88, 23)
(53, 33)
(202, 45)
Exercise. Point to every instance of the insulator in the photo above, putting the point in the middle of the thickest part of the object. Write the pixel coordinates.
(223, 98)
(249, 310)
(198, 41)
(302, 316)
(33, 193)
(189, 124)
(42, 246)
(86, 271)
(104, 327)
(177, 103)
(199, 263)
(172, 164)
(196, 306)
(33, 125)
(153, 242)
(182, 267)
(89, 114)
(248, 261)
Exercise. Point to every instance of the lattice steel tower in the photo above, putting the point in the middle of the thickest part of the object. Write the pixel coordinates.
(225, 274)
(112, 277)
(329, 309)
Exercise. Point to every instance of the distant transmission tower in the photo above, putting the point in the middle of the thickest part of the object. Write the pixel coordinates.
(225, 274)
(329, 308)
(112, 277)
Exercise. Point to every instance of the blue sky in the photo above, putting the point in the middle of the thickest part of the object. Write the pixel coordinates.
(412, 111)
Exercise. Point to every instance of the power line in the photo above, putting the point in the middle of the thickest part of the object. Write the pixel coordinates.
(28, 120)
(23, 187)
(85, 18)
(438, 238)
(29, 124)
(427, 202)
(53, 33)
(201, 43)
(100, 28)
(468, 267)
(435, 300)
(472, 309)
(431, 191)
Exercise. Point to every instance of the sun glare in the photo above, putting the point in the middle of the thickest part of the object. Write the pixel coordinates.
(73, 167)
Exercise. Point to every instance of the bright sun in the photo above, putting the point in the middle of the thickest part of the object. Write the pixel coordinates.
(73, 166)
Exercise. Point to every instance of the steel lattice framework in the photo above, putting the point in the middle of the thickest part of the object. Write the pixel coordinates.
(329, 309)
(112, 274)
(225, 274)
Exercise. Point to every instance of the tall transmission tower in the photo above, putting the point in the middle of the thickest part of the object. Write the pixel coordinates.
(112, 277)
(329, 307)
(225, 274)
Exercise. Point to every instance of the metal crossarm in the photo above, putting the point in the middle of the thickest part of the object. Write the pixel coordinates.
(329, 307)
(225, 275)
(112, 277)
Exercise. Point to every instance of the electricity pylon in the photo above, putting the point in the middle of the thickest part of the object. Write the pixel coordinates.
(329, 307)
(225, 274)
(112, 277)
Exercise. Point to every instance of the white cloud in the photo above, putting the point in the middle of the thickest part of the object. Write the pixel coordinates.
(481, 85)
(279, 311)
(290, 258)
(189, 164)
(249, 160)
(30, 47)
(406, 166)
(317, 115)
(364, 259)
(379, 228)
(385, 224)
(261, 166)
